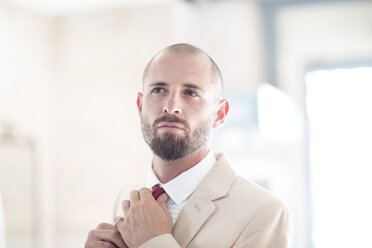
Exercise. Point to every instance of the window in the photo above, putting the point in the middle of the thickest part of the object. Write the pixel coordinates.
(339, 108)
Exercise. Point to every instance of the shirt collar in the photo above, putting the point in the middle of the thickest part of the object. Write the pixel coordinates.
(181, 187)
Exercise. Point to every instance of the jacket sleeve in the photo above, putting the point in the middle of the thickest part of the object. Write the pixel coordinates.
(271, 227)
(161, 241)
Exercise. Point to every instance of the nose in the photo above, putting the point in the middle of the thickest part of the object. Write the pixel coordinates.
(172, 106)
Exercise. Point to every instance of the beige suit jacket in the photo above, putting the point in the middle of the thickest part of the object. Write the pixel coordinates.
(228, 211)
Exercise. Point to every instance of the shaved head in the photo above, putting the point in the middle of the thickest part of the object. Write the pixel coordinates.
(183, 49)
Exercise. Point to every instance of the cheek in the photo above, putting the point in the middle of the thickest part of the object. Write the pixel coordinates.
(202, 115)
(151, 110)
(151, 107)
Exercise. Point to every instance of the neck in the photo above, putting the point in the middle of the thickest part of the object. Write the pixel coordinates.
(167, 170)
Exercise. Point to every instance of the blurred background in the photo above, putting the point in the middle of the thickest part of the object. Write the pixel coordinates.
(298, 74)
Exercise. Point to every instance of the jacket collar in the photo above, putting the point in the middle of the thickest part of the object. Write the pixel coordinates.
(200, 205)
(181, 187)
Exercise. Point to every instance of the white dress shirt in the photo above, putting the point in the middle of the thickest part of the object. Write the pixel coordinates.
(180, 188)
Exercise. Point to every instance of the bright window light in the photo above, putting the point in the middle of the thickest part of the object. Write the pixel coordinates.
(339, 106)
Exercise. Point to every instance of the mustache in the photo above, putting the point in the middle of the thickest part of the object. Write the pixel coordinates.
(171, 118)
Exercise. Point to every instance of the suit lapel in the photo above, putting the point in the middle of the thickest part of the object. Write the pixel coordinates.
(192, 217)
(200, 205)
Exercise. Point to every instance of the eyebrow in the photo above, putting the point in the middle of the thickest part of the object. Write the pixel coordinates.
(192, 86)
(159, 84)
(187, 85)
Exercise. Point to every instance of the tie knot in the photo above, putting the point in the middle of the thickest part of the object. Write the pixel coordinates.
(157, 191)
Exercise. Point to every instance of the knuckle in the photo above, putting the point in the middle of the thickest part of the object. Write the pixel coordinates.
(125, 203)
(92, 234)
(112, 235)
(146, 201)
(101, 226)
(87, 244)
(106, 245)
(133, 192)
(144, 190)
(134, 209)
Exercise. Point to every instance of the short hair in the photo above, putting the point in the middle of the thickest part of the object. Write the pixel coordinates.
(185, 49)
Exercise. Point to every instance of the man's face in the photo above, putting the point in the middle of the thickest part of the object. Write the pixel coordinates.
(178, 105)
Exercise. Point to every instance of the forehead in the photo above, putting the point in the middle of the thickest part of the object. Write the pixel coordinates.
(179, 68)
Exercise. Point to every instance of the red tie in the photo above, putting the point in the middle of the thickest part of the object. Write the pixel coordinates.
(157, 191)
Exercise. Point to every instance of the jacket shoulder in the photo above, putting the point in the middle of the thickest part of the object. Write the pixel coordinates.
(244, 192)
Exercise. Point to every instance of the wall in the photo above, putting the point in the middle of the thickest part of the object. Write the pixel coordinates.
(26, 80)
(320, 34)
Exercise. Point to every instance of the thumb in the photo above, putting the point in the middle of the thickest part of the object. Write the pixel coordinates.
(162, 200)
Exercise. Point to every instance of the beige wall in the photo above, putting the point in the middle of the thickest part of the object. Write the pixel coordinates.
(26, 78)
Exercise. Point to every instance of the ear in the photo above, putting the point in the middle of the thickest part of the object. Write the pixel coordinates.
(223, 109)
(139, 102)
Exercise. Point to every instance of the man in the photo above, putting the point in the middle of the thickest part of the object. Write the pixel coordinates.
(205, 204)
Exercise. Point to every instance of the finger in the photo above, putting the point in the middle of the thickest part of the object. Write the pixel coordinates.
(165, 197)
(107, 237)
(121, 226)
(117, 220)
(134, 196)
(145, 194)
(105, 226)
(125, 205)
(115, 238)
(162, 200)
(122, 229)
(99, 244)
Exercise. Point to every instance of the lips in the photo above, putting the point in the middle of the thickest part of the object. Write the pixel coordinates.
(170, 125)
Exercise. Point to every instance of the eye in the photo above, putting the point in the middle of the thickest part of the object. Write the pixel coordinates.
(191, 93)
(158, 90)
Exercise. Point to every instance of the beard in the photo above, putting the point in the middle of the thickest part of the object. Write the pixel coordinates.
(171, 146)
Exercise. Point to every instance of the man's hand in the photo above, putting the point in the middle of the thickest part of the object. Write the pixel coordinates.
(144, 218)
(105, 236)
